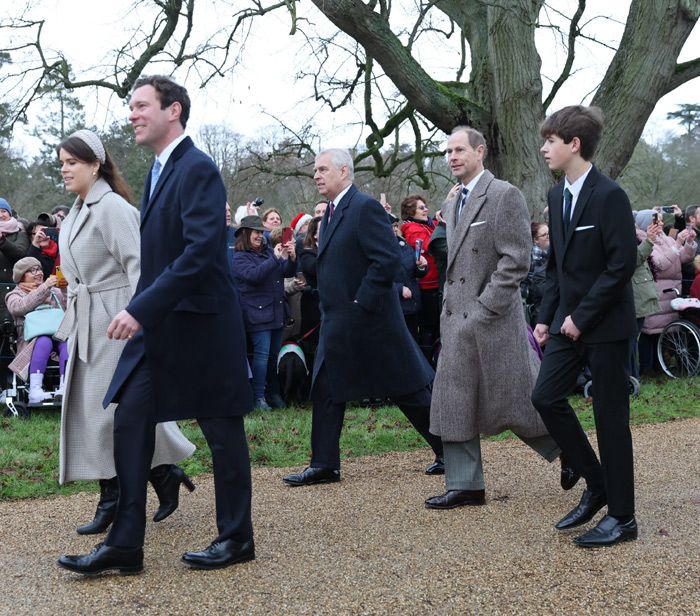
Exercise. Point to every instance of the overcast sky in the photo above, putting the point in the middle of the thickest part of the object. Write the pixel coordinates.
(263, 84)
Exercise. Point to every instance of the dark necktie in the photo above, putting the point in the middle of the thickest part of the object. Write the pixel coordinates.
(155, 174)
(462, 200)
(331, 209)
(568, 198)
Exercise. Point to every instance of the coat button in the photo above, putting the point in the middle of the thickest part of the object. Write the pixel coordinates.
(475, 251)
(77, 281)
(450, 281)
(461, 280)
(464, 314)
(448, 313)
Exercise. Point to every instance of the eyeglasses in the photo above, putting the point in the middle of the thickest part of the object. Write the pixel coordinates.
(542, 235)
(35, 270)
(422, 207)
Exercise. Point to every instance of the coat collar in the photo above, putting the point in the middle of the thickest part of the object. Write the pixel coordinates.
(328, 228)
(146, 202)
(458, 230)
(99, 189)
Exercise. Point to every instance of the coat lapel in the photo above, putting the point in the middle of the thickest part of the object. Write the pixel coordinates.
(581, 203)
(146, 202)
(329, 227)
(475, 201)
(98, 190)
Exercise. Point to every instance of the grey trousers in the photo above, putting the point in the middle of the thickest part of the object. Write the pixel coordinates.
(463, 470)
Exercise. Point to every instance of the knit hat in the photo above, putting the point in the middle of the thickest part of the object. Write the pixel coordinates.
(4, 205)
(22, 267)
(299, 221)
(643, 218)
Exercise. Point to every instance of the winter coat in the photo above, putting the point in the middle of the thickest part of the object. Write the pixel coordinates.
(99, 247)
(20, 303)
(667, 258)
(438, 250)
(413, 230)
(409, 275)
(13, 247)
(260, 278)
(646, 301)
(487, 368)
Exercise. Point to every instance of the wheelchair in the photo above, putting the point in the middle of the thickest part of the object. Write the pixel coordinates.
(15, 393)
(678, 348)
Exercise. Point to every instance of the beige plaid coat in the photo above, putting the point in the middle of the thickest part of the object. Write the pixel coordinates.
(100, 258)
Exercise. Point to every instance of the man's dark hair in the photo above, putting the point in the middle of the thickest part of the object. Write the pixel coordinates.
(691, 210)
(61, 208)
(169, 92)
(586, 123)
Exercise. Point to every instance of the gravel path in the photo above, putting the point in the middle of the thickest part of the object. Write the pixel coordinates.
(368, 546)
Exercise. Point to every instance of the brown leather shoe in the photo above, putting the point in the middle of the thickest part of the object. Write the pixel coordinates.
(456, 498)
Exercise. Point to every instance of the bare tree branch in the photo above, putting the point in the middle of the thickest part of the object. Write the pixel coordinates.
(684, 72)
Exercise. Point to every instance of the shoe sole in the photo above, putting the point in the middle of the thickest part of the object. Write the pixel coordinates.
(237, 561)
(606, 545)
(309, 483)
(470, 504)
(120, 570)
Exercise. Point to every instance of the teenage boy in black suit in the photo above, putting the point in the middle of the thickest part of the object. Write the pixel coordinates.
(587, 317)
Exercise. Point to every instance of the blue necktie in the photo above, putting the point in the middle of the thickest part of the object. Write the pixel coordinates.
(155, 174)
(568, 198)
(331, 209)
(462, 200)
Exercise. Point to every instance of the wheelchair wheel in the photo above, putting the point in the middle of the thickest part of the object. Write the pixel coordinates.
(634, 388)
(22, 411)
(678, 349)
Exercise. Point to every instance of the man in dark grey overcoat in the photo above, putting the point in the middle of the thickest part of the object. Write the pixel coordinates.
(487, 368)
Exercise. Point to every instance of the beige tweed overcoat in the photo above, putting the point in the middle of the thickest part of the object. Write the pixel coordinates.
(486, 369)
(99, 247)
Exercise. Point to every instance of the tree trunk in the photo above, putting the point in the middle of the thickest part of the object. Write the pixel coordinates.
(641, 72)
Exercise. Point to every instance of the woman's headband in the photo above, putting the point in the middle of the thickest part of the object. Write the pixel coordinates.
(93, 142)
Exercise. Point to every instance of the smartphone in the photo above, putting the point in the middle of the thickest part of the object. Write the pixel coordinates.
(51, 233)
(655, 218)
(382, 198)
(667, 209)
(59, 274)
(287, 235)
(419, 249)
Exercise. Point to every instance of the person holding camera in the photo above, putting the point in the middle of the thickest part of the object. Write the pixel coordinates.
(31, 292)
(44, 247)
(260, 271)
(14, 242)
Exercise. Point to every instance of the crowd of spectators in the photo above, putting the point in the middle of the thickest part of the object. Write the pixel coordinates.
(274, 266)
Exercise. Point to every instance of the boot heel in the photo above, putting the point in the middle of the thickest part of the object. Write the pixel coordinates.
(188, 482)
(130, 570)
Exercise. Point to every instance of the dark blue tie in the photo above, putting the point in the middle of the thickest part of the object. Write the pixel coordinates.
(568, 198)
(462, 200)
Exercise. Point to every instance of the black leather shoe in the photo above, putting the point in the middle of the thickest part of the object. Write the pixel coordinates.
(312, 475)
(127, 561)
(106, 508)
(166, 480)
(436, 468)
(220, 554)
(569, 477)
(608, 531)
(456, 498)
(589, 505)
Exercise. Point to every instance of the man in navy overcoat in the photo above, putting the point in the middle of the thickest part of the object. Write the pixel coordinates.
(186, 352)
(365, 349)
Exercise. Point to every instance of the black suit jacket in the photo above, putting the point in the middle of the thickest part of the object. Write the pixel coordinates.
(193, 336)
(590, 267)
(364, 342)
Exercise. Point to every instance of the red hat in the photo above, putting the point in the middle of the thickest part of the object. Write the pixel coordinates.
(299, 221)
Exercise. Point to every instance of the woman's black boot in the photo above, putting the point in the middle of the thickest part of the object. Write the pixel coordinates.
(166, 480)
(106, 508)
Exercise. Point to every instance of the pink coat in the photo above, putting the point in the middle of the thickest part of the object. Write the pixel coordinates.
(667, 258)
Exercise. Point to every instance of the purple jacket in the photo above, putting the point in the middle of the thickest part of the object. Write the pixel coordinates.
(260, 278)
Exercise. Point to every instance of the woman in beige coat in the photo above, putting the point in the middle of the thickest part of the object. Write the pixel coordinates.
(100, 259)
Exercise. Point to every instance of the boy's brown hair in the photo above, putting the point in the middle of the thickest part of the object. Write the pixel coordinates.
(586, 123)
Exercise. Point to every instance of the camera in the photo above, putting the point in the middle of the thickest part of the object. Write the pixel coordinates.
(52, 234)
(667, 209)
(47, 219)
(258, 201)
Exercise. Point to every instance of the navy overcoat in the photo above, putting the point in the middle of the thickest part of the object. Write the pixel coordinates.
(368, 351)
(193, 336)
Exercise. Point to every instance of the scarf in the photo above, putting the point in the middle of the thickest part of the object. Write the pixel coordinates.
(428, 223)
(51, 250)
(10, 226)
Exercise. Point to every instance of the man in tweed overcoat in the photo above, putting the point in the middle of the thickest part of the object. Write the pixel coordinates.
(486, 368)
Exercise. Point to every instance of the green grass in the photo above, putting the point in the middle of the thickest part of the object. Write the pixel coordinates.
(29, 447)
